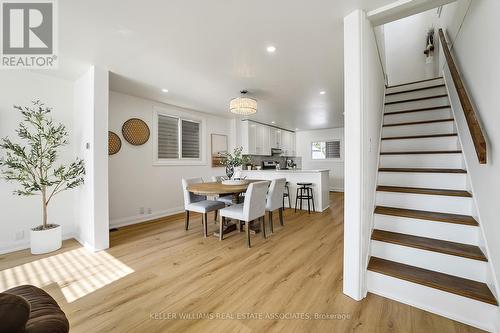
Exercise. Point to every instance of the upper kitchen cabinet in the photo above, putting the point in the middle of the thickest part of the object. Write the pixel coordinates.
(275, 137)
(288, 143)
(255, 138)
(258, 139)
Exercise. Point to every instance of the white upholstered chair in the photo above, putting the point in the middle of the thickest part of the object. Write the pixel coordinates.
(254, 208)
(275, 200)
(198, 204)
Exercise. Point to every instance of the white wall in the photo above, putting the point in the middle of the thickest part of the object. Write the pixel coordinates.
(364, 98)
(133, 180)
(476, 52)
(90, 136)
(303, 142)
(19, 214)
(404, 48)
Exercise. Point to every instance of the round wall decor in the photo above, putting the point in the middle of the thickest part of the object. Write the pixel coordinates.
(114, 143)
(135, 131)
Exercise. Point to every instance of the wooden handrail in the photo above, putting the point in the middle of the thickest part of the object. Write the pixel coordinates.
(469, 112)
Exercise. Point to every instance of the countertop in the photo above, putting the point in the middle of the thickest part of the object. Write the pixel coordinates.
(289, 171)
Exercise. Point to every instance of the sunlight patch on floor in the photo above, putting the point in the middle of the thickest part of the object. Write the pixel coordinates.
(78, 272)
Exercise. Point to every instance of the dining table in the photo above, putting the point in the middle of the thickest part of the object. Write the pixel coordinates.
(215, 189)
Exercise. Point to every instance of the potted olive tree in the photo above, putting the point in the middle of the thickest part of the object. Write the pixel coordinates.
(32, 164)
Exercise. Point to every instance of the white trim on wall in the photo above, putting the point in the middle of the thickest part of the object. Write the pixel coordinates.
(130, 220)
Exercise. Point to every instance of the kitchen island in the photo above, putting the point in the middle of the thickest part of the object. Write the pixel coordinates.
(319, 179)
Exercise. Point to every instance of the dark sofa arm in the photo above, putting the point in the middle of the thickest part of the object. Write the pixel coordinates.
(14, 313)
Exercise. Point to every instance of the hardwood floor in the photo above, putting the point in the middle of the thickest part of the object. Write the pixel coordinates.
(156, 270)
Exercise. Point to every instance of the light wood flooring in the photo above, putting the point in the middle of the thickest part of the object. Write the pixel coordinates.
(156, 270)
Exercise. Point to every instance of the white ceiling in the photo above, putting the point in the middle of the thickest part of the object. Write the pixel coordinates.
(205, 51)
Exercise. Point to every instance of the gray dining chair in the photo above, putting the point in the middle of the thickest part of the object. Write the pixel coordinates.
(226, 199)
(275, 200)
(253, 208)
(198, 204)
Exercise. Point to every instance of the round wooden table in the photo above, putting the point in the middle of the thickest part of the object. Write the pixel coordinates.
(215, 188)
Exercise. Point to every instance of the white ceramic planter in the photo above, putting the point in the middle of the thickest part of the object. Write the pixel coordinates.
(45, 241)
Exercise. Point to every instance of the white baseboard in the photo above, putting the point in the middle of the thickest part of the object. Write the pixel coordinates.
(25, 244)
(130, 220)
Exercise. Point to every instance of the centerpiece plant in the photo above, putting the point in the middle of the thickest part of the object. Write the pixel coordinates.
(236, 159)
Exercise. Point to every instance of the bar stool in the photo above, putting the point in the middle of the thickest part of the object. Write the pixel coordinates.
(305, 192)
(286, 194)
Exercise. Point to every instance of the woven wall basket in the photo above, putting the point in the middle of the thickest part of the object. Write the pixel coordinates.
(114, 143)
(135, 131)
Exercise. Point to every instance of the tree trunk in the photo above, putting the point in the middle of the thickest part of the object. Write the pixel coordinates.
(44, 206)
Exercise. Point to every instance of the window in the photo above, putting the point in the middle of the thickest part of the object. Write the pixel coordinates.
(168, 137)
(178, 139)
(190, 139)
(322, 150)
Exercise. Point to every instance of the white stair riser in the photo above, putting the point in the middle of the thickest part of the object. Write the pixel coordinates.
(463, 309)
(432, 203)
(434, 261)
(418, 116)
(446, 161)
(416, 94)
(415, 85)
(451, 232)
(419, 129)
(426, 103)
(422, 144)
(430, 180)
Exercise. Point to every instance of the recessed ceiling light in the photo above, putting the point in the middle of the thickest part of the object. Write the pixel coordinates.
(322, 92)
(296, 128)
(271, 49)
(164, 90)
(273, 122)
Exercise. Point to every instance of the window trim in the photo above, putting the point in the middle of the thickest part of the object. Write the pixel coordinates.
(336, 159)
(180, 115)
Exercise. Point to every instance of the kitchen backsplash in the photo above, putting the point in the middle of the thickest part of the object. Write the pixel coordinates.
(257, 160)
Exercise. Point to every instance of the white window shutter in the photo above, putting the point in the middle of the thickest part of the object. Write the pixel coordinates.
(168, 137)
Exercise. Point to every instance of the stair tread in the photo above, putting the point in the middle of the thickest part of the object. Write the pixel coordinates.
(430, 191)
(415, 89)
(418, 110)
(428, 216)
(413, 82)
(421, 152)
(422, 170)
(417, 99)
(420, 136)
(420, 122)
(430, 244)
(453, 284)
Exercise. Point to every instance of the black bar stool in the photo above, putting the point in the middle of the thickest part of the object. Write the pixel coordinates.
(305, 192)
(286, 194)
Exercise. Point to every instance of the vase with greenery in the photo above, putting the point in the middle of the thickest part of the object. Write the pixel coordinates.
(32, 164)
(230, 161)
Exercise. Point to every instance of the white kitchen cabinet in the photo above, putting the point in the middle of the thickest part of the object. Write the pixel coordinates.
(288, 143)
(263, 145)
(258, 139)
(255, 139)
(276, 140)
(292, 145)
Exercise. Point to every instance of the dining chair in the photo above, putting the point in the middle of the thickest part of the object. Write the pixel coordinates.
(226, 199)
(275, 200)
(253, 208)
(198, 204)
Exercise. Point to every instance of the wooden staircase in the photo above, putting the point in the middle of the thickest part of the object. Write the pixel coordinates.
(426, 246)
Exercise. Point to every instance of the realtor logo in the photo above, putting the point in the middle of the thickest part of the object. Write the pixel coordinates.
(28, 34)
